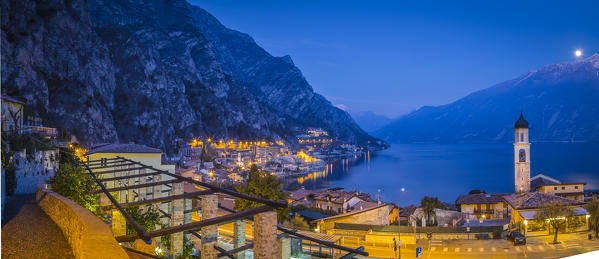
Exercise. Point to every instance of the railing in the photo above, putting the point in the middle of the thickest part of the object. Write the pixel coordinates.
(109, 163)
(486, 211)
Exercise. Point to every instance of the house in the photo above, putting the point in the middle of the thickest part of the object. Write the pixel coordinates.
(404, 214)
(369, 213)
(545, 184)
(334, 199)
(523, 207)
(482, 205)
(12, 113)
(143, 154)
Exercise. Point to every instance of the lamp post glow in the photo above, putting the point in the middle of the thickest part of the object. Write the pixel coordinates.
(399, 225)
(525, 227)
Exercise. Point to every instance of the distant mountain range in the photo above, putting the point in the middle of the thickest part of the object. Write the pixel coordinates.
(370, 121)
(560, 102)
(152, 71)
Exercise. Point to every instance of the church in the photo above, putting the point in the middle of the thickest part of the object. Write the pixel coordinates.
(530, 194)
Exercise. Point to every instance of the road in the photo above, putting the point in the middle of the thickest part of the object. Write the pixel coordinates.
(540, 247)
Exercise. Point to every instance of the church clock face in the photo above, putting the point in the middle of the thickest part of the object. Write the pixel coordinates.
(522, 155)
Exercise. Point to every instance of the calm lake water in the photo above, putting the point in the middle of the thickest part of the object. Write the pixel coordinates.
(447, 171)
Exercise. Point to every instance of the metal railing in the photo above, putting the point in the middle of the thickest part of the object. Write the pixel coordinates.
(268, 205)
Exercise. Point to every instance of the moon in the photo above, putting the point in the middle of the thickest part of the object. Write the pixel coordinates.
(578, 53)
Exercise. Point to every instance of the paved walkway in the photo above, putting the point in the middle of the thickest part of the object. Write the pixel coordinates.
(27, 232)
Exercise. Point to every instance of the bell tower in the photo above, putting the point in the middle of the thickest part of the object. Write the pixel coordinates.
(521, 156)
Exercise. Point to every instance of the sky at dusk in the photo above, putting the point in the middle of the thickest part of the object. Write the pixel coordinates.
(391, 57)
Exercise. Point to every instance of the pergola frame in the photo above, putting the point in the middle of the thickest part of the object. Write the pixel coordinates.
(107, 163)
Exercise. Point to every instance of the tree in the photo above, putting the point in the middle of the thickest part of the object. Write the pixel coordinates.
(555, 215)
(429, 204)
(593, 209)
(477, 192)
(72, 182)
(298, 222)
(147, 218)
(264, 185)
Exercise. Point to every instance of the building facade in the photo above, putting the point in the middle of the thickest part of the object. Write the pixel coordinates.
(483, 206)
(545, 184)
(12, 113)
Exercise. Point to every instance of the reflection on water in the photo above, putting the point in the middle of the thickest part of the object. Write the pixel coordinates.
(334, 170)
(447, 171)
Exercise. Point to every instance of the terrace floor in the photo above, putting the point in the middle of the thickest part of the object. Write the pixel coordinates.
(28, 232)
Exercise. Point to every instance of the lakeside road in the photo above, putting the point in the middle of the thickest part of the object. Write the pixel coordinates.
(537, 247)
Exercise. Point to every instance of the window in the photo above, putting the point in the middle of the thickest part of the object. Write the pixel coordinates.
(555, 188)
(563, 187)
(521, 137)
(522, 155)
(576, 187)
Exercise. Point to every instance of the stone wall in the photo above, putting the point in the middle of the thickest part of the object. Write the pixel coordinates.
(87, 235)
(442, 217)
(34, 169)
(378, 216)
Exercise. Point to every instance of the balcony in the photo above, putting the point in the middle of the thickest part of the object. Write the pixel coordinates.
(489, 211)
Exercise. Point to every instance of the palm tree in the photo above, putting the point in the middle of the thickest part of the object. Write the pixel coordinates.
(593, 209)
(429, 204)
(555, 214)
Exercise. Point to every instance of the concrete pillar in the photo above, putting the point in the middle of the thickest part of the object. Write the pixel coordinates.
(284, 244)
(176, 220)
(156, 191)
(265, 235)
(209, 233)
(119, 223)
(187, 218)
(104, 200)
(239, 237)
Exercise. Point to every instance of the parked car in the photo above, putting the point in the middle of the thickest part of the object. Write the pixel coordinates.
(516, 238)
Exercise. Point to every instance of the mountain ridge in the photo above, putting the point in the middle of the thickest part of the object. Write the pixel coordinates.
(560, 100)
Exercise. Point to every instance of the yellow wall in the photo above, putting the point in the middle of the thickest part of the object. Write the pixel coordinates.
(470, 208)
(566, 188)
(150, 159)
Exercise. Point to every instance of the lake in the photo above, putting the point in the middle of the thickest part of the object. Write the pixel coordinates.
(447, 171)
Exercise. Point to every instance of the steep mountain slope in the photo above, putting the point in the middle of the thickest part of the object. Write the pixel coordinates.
(275, 80)
(52, 58)
(561, 102)
(152, 71)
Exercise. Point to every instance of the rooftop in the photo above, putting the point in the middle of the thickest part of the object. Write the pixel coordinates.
(11, 99)
(481, 198)
(534, 200)
(521, 123)
(354, 212)
(543, 180)
(123, 148)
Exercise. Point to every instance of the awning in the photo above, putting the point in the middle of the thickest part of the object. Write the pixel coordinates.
(530, 215)
(579, 211)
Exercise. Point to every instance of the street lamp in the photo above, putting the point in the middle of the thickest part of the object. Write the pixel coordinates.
(399, 225)
(525, 227)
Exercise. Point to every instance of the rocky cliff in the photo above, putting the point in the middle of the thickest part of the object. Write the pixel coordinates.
(151, 71)
(560, 102)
